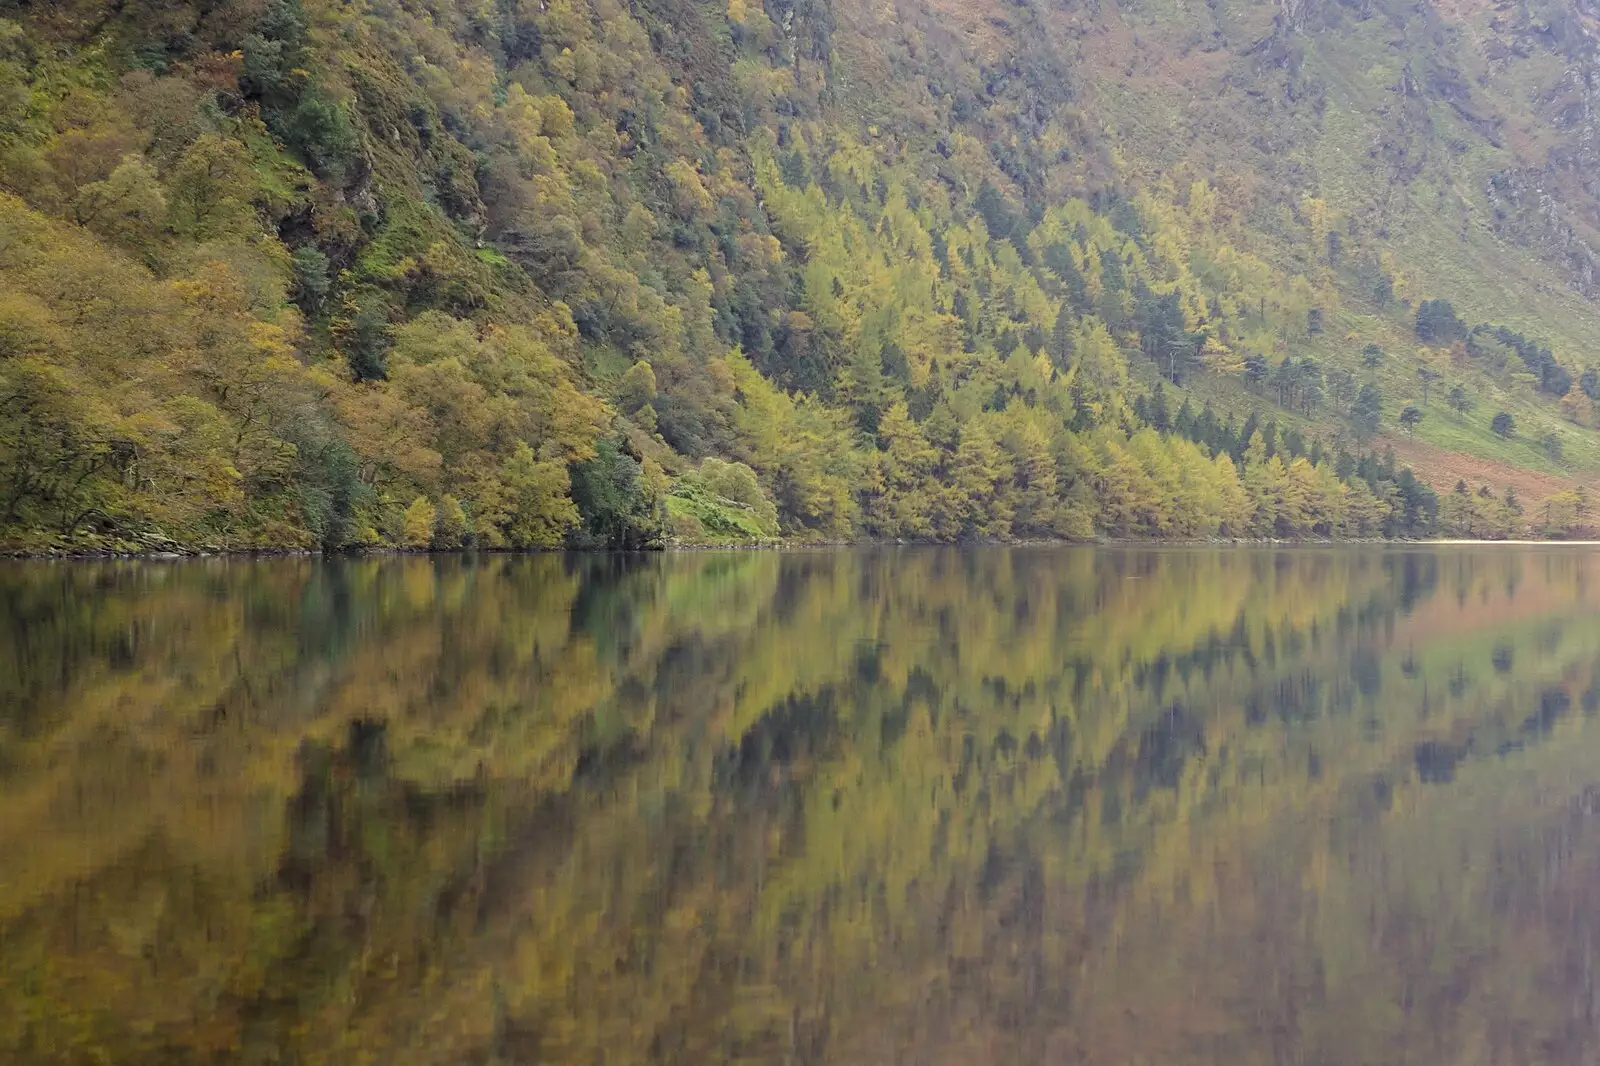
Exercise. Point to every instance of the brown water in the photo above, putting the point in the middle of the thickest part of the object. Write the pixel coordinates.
(1320, 806)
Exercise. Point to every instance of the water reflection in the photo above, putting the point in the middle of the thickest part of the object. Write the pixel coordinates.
(1232, 806)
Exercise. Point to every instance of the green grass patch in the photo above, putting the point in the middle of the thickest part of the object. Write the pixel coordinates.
(699, 518)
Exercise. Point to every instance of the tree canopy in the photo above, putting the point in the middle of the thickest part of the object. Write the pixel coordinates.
(284, 274)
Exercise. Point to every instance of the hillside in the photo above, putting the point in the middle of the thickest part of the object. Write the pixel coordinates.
(524, 273)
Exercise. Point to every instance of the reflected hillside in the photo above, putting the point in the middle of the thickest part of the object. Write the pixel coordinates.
(933, 806)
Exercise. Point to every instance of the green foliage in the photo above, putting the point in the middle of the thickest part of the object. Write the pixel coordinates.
(1480, 514)
(349, 260)
(418, 522)
(297, 108)
(721, 503)
(320, 132)
(1488, 345)
(1437, 323)
(1503, 424)
(333, 498)
(616, 502)
(1366, 413)
(531, 508)
(365, 339)
(637, 388)
(311, 280)
(700, 517)
(451, 529)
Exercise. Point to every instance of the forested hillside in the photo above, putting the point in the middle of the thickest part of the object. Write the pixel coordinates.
(525, 273)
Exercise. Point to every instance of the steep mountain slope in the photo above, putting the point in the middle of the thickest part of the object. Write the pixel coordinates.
(522, 273)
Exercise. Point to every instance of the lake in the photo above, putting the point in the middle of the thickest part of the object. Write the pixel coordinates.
(920, 806)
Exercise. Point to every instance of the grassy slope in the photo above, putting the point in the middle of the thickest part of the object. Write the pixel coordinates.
(1173, 84)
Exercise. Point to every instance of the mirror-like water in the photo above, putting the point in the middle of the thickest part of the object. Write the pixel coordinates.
(919, 806)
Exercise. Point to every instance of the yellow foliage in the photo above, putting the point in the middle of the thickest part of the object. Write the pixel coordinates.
(417, 530)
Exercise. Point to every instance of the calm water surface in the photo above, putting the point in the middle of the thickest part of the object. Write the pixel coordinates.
(1320, 806)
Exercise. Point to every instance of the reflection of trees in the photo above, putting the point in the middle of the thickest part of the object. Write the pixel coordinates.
(786, 807)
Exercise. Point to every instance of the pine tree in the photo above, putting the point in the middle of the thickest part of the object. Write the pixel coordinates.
(1367, 411)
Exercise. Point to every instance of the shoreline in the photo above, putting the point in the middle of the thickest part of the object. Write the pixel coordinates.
(179, 555)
